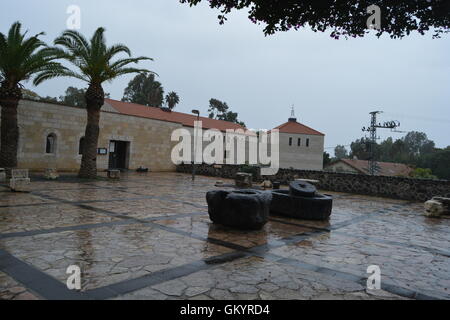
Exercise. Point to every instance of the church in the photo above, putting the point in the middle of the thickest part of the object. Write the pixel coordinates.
(134, 136)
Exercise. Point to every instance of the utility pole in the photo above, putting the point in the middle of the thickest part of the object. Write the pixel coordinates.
(373, 165)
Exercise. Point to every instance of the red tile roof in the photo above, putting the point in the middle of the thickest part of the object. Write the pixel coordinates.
(185, 119)
(296, 127)
(385, 168)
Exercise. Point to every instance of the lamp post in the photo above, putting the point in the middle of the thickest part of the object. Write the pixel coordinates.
(195, 144)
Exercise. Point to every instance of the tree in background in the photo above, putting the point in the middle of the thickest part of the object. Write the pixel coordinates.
(414, 149)
(172, 99)
(145, 90)
(438, 161)
(359, 149)
(29, 94)
(74, 97)
(347, 18)
(219, 110)
(21, 58)
(420, 173)
(93, 62)
(340, 152)
(326, 159)
(417, 144)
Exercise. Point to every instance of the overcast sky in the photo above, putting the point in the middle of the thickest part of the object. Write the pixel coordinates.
(334, 84)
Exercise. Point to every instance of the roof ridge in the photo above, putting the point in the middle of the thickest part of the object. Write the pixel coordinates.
(172, 116)
(313, 131)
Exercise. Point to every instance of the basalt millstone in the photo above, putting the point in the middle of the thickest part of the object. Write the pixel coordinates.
(318, 207)
(243, 209)
(302, 189)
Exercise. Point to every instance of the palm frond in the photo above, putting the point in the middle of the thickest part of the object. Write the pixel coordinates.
(21, 57)
(14, 35)
(118, 48)
(3, 43)
(55, 70)
(78, 38)
(92, 59)
(123, 62)
(124, 71)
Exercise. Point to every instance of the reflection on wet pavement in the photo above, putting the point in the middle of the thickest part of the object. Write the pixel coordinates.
(148, 236)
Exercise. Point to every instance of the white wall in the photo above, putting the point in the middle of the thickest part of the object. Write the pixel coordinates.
(301, 157)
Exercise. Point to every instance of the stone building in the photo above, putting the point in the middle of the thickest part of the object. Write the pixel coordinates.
(301, 147)
(133, 136)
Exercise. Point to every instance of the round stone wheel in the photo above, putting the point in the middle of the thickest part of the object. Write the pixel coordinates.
(318, 207)
(302, 189)
(241, 209)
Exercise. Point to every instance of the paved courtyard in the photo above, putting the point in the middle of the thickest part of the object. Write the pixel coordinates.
(149, 237)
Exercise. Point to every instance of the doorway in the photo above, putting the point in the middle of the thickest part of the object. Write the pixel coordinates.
(118, 154)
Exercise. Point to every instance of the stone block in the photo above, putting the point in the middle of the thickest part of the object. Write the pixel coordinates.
(51, 174)
(114, 174)
(20, 184)
(243, 180)
(267, 184)
(437, 207)
(19, 173)
(241, 209)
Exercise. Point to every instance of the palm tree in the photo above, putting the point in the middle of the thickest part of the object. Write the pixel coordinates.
(172, 99)
(93, 61)
(20, 59)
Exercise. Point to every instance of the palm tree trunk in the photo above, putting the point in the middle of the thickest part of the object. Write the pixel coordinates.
(95, 97)
(9, 100)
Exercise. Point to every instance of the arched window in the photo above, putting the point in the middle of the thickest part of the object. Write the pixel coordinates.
(50, 146)
(81, 145)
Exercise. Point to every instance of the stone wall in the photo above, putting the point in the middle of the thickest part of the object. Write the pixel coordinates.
(389, 187)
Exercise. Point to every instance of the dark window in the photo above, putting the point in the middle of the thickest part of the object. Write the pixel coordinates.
(299, 142)
(50, 146)
(81, 145)
(290, 141)
(307, 142)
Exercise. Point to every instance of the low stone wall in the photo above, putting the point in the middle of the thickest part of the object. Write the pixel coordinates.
(382, 186)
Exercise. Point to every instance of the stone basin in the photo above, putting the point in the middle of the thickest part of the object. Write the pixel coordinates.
(317, 207)
(239, 209)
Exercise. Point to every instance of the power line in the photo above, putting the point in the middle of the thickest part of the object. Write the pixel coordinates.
(418, 117)
(347, 145)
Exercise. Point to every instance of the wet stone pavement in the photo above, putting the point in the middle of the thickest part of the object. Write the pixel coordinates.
(148, 236)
